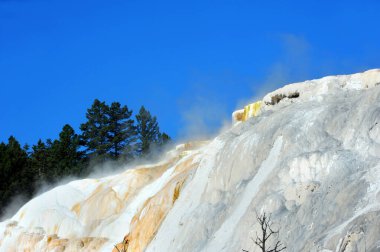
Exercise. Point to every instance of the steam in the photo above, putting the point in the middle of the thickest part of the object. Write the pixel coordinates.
(16, 203)
(98, 170)
(109, 168)
(293, 65)
(202, 117)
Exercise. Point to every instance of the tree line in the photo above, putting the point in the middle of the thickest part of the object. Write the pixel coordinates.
(111, 133)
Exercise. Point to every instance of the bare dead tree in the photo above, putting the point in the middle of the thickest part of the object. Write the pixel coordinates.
(266, 233)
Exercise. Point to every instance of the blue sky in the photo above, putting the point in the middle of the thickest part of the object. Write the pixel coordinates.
(191, 63)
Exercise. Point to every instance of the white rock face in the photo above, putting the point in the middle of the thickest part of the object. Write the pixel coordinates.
(311, 160)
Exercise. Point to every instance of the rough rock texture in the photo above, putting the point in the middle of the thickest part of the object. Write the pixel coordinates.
(311, 160)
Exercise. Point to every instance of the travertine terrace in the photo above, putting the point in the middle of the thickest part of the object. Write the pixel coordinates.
(307, 153)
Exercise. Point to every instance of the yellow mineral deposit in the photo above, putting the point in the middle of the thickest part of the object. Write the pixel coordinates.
(249, 111)
(252, 110)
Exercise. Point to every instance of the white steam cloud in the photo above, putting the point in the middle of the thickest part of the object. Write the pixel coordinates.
(294, 64)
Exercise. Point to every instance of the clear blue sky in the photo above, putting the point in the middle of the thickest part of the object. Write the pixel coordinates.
(186, 61)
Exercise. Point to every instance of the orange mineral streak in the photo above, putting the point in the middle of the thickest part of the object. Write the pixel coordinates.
(28, 240)
(82, 244)
(146, 222)
(76, 208)
(108, 202)
(110, 198)
(185, 166)
(105, 201)
(238, 116)
(143, 176)
(8, 230)
(177, 190)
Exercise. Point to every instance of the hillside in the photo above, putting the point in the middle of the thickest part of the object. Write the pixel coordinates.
(308, 154)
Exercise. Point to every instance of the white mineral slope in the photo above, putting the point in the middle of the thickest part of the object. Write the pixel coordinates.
(312, 163)
(311, 160)
(88, 214)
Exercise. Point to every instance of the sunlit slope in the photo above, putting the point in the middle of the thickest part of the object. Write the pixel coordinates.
(93, 214)
(308, 154)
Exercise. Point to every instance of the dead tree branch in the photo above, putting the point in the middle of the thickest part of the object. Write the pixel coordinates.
(267, 232)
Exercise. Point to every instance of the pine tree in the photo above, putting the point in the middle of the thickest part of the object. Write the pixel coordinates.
(59, 158)
(95, 130)
(43, 162)
(39, 159)
(65, 153)
(147, 129)
(121, 130)
(109, 131)
(164, 138)
(16, 176)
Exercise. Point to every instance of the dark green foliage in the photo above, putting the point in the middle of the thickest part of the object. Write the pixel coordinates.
(121, 131)
(66, 157)
(59, 158)
(164, 138)
(109, 133)
(147, 129)
(16, 177)
(95, 131)
(39, 159)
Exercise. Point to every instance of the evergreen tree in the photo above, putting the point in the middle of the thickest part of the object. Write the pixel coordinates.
(121, 130)
(44, 162)
(147, 129)
(59, 158)
(95, 130)
(66, 157)
(39, 159)
(16, 176)
(163, 138)
(109, 131)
